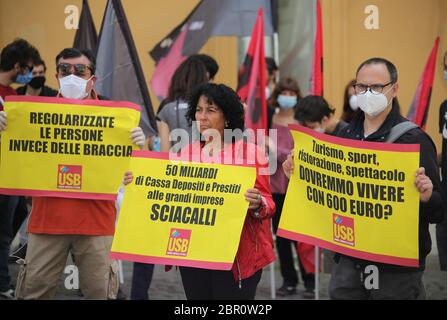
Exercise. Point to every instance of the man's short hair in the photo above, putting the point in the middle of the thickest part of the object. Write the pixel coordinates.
(69, 53)
(312, 109)
(392, 70)
(40, 62)
(20, 51)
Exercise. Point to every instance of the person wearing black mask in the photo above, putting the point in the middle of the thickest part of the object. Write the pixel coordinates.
(16, 64)
(441, 228)
(37, 87)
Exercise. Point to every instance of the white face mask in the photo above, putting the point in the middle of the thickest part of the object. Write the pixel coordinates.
(320, 130)
(73, 87)
(372, 104)
(353, 102)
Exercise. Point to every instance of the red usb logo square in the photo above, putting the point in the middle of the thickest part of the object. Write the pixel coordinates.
(343, 230)
(69, 177)
(178, 243)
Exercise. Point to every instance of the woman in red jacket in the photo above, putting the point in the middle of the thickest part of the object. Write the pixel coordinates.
(215, 108)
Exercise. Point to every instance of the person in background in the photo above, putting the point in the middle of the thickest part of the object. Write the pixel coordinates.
(284, 99)
(211, 65)
(350, 105)
(16, 65)
(315, 113)
(190, 74)
(272, 73)
(441, 228)
(37, 87)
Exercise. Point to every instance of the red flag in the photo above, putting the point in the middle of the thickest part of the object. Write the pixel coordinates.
(252, 79)
(419, 107)
(306, 253)
(316, 87)
(166, 66)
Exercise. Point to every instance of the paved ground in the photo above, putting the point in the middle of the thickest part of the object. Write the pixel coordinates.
(167, 285)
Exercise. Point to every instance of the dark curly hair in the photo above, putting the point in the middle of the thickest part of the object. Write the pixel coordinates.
(222, 96)
(20, 51)
(69, 53)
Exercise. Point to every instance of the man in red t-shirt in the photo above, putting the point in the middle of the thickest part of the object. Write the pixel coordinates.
(16, 63)
(60, 225)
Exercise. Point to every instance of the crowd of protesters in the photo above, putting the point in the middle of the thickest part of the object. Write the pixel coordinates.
(52, 229)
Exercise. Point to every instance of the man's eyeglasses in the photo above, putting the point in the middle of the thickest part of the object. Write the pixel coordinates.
(375, 88)
(66, 69)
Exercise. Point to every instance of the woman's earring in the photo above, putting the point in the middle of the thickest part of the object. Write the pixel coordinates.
(227, 124)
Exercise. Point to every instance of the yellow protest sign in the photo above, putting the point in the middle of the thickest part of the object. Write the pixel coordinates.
(66, 148)
(352, 197)
(182, 213)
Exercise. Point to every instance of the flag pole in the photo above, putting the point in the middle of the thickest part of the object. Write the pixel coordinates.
(272, 281)
(272, 266)
(121, 272)
(272, 274)
(276, 50)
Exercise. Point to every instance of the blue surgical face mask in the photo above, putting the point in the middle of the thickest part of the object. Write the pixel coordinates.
(287, 102)
(24, 78)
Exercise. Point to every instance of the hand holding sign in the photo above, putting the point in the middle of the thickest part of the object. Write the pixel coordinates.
(128, 178)
(354, 197)
(424, 185)
(137, 136)
(59, 147)
(253, 196)
(178, 212)
(287, 165)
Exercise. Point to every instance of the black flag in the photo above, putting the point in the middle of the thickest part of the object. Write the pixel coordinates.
(209, 18)
(120, 76)
(86, 37)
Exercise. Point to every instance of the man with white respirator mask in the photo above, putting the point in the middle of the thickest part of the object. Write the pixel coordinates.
(376, 88)
(58, 226)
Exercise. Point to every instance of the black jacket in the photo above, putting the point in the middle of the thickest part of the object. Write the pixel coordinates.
(434, 210)
(46, 91)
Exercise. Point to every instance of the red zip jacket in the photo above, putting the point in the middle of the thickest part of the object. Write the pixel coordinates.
(256, 249)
